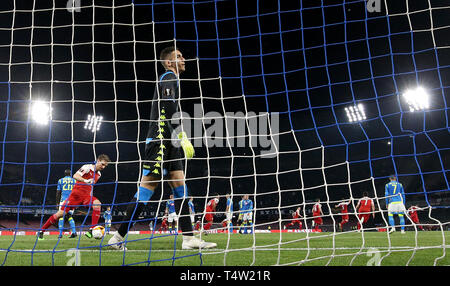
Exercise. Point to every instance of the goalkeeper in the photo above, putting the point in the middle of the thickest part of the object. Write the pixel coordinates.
(162, 157)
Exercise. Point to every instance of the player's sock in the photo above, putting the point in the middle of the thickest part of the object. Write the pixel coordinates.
(402, 221)
(245, 227)
(251, 226)
(61, 225)
(72, 225)
(391, 220)
(230, 226)
(51, 220)
(134, 208)
(95, 216)
(181, 206)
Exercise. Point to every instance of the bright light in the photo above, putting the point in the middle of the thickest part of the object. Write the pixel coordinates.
(417, 99)
(41, 112)
(355, 113)
(93, 123)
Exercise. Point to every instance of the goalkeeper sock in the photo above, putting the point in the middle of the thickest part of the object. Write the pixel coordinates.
(61, 225)
(181, 206)
(391, 220)
(402, 221)
(134, 208)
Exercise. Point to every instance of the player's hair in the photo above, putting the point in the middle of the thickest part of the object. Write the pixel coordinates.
(165, 53)
(103, 157)
(392, 177)
(365, 194)
(67, 172)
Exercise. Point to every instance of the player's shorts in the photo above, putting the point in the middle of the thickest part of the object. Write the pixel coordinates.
(363, 217)
(229, 216)
(209, 217)
(318, 220)
(108, 223)
(344, 218)
(247, 216)
(172, 217)
(76, 200)
(396, 207)
(162, 157)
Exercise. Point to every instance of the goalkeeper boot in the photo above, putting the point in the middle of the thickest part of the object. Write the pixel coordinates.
(40, 235)
(192, 242)
(73, 235)
(116, 242)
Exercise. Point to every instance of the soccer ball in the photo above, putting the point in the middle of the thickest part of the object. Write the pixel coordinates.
(98, 232)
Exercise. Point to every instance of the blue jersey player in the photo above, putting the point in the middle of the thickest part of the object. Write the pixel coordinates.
(246, 210)
(171, 213)
(228, 222)
(395, 202)
(108, 217)
(63, 191)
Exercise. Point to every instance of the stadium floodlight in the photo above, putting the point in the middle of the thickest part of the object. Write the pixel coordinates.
(356, 113)
(417, 99)
(93, 123)
(41, 112)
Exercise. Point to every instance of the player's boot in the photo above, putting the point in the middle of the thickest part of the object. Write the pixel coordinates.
(403, 231)
(40, 235)
(196, 243)
(391, 229)
(89, 233)
(73, 235)
(116, 242)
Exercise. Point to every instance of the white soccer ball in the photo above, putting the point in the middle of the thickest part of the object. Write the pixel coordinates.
(98, 232)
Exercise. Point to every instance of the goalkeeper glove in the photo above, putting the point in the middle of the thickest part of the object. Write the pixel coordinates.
(186, 145)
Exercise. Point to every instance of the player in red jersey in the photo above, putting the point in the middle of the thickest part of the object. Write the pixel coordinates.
(295, 219)
(364, 208)
(343, 207)
(412, 213)
(209, 212)
(82, 194)
(317, 214)
(164, 224)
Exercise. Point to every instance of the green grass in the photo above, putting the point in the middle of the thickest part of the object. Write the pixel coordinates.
(263, 249)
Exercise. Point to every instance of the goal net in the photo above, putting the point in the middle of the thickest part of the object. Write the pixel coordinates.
(291, 103)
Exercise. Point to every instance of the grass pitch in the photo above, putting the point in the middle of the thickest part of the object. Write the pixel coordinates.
(261, 249)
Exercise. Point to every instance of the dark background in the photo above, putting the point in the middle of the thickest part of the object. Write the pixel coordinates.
(306, 60)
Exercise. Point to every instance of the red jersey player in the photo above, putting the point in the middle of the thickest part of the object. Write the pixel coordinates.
(364, 207)
(210, 210)
(82, 194)
(343, 206)
(317, 214)
(412, 213)
(295, 219)
(164, 224)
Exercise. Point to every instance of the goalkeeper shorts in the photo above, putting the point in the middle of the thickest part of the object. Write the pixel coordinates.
(161, 158)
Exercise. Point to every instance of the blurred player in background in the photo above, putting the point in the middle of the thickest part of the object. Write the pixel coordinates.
(412, 213)
(365, 207)
(164, 226)
(63, 190)
(343, 208)
(317, 214)
(228, 221)
(246, 210)
(210, 212)
(295, 219)
(162, 157)
(395, 202)
(82, 194)
(192, 211)
(107, 217)
(171, 215)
